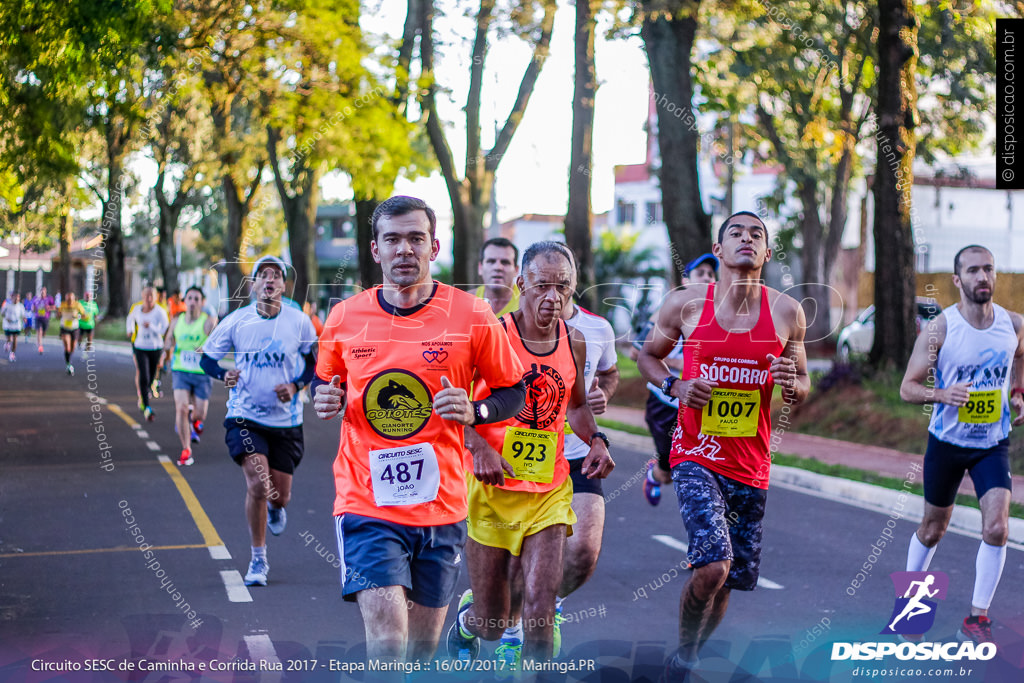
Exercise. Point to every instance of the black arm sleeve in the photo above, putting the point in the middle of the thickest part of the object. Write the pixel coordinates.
(212, 367)
(309, 372)
(505, 402)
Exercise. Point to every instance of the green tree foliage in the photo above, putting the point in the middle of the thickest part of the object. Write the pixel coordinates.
(801, 78)
(470, 195)
(70, 70)
(329, 111)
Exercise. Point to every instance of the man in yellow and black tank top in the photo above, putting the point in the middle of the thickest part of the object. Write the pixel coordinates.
(184, 339)
(520, 493)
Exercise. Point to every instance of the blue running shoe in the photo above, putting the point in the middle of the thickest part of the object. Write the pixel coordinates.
(257, 574)
(277, 518)
(652, 488)
(461, 645)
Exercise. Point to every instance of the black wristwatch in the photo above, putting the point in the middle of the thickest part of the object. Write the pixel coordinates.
(666, 384)
(480, 412)
(602, 436)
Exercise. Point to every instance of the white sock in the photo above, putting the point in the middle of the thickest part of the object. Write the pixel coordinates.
(988, 567)
(514, 632)
(259, 552)
(918, 556)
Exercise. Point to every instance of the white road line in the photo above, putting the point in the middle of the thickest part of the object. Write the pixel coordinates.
(671, 542)
(676, 544)
(142, 434)
(261, 649)
(96, 399)
(152, 445)
(219, 552)
(237, 592)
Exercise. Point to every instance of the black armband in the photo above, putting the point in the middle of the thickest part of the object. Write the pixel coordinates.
(504, 402)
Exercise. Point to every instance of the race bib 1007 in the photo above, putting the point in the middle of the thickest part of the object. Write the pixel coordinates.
(731, 412)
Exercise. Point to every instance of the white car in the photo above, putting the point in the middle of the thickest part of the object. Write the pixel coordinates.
(857, 337)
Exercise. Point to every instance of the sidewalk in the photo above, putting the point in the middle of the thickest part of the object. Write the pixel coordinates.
(884, 461)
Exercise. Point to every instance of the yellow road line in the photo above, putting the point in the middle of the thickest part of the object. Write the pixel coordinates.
(122, 549)
(210, 536)
(116, 410)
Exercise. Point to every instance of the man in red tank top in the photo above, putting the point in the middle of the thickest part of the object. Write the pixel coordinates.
(741, 339)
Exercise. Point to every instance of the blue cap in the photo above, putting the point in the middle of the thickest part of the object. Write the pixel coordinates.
(703, 258)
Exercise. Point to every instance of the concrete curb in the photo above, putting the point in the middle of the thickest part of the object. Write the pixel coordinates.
(898, 504)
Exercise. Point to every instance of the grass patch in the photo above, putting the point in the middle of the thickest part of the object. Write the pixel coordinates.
(111, 329)
(854, 474)
(627, 366)
(621, 426)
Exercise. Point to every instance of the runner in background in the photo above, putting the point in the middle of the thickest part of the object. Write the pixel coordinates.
(71, 313)
(272, 346)
(164, 366)
(13, 315)
(87, 325)
(145, 327)
(974, 352)
(29, 302)
(498, 268)
(183, 343)
(43, 306)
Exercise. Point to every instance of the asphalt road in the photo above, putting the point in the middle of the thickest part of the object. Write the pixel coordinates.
(81, 481)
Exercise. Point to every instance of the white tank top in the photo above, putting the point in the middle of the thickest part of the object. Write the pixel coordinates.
(984, 357)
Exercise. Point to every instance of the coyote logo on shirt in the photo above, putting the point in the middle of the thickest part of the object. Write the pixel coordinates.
(397, 404)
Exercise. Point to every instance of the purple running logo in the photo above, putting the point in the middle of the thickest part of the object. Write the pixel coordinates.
(917, 594)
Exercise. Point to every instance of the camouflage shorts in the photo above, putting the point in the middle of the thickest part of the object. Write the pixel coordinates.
(723, 521)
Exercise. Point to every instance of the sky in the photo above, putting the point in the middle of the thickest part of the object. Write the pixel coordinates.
(533, 176)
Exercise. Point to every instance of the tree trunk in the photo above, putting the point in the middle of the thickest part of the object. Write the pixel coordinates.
(166, 225)
(301, 218)
(369, 270)
(669, 44)
(237, 210)
(113, 245)
(470, 198)
(64, 230)
(578, 229)
(815, 297)
(896, 108)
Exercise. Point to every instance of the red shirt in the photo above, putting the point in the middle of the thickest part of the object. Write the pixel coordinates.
(392, 361)
(729, 435)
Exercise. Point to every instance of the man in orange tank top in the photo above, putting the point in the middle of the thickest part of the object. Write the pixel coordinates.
(399, 358)
(741, 339)
(521, 516)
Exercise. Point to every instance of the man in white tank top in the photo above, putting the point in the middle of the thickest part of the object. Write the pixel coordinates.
(973, 355)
